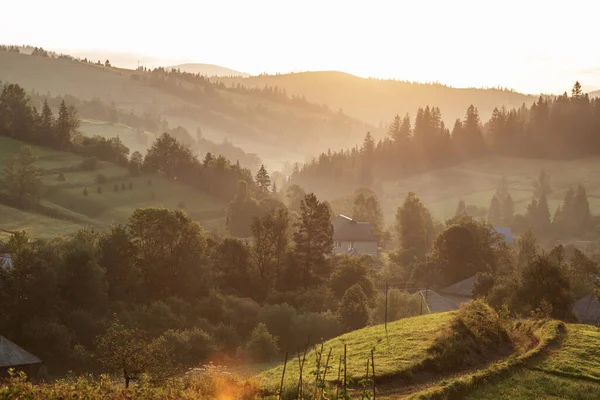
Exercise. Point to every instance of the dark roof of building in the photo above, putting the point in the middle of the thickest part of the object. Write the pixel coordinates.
(587, 309)
(12, 355)
(507, 233)
(463, 288)
(436, 303)
(348, 230)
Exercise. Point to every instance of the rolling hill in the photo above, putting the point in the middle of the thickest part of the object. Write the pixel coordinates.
(376, 100)
(208, 70)
(548, 360)
(476, 182)
(64, 209)
(277, 128)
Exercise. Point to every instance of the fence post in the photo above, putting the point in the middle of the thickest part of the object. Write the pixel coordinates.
(283, 375)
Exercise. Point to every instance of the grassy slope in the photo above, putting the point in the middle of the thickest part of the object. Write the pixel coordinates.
(476, 182)
(99, 210)
(404, 348)
(572, 371)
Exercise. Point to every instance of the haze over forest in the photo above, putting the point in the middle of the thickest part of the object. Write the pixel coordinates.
(299, 200)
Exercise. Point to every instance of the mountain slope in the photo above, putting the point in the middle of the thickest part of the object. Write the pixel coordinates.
(275, 127)
(64, 208)
(209, 70)
(376, 100)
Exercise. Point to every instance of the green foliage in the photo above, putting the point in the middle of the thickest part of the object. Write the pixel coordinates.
(366, 209)
(463, 249)
(348, 271)
(543, 281)
(172, 252)
(354, 309)
(314, 239)
(130, 353)
(475, 330)
(23, 178)
(414, 227)
(262, 346)
(400, 304)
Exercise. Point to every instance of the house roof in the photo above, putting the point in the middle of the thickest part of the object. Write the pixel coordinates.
(347, 229)
(6, 260)
(437, 303)
(587, 309)
(463, 288)
(12, 355)
(507, 233)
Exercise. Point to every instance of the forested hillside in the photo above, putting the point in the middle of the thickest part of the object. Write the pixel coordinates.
(378, 100)
(253, 119)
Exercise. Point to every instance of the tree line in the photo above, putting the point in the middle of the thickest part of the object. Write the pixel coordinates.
(162, 285)
(561, 127)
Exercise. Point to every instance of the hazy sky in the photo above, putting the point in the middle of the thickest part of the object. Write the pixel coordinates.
(532, 46)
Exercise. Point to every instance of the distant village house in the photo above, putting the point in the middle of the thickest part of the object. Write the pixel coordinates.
(353, 237)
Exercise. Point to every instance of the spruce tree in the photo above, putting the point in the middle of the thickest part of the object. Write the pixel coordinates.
(45, 134)
(62, 128)
(263, 181)
(314, 239)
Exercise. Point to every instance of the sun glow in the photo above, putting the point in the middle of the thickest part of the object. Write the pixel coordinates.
(531, 46)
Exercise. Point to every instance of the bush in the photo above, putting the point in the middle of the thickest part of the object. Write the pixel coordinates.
(101, 179)
(61, 177)
(477, 330)
(354, 309)
(181, 205)
(401, 304)
(90, 163)
(279, 319)
(188, 347)
(262, 346)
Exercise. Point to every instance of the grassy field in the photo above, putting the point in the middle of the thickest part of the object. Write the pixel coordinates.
(571, 371)
(99, 209)
(404, 347)
(476, 182)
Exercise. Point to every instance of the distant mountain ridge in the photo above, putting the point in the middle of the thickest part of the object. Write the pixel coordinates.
(210, 70)
(376, 100)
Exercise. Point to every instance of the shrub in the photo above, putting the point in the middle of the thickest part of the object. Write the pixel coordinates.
(354, 309)
(188, 347)
(181, 205)
(101, 179)
(61, 177)
(90, 163)
(401, 304)
(475, 330)
(262, 346)
(85, 191)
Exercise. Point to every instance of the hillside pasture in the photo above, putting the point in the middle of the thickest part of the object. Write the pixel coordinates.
(66, 199)
(476, 182)
(404, 347)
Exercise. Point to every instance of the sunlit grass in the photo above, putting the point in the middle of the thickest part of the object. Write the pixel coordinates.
(404, 347)
(99, 210)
